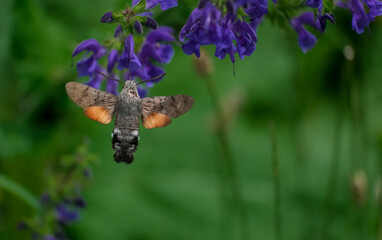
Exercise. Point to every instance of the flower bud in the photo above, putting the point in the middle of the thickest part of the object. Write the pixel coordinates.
(107, 17)
(118, 31)
(151, 23)
(138, 27)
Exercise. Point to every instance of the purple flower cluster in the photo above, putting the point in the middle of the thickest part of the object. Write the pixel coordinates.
(61, 202)
(64, 212)
(146, 64)
(155, 49)
(306, 39)
(88, 65)
(207, 25)
(361, 19)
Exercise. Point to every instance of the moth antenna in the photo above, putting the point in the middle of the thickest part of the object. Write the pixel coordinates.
(106, 76)
(152, 79)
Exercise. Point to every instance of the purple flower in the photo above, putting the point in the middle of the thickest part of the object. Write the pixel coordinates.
(107, 17)
(225, 45)
(360, 19)
(314, 4)
(155, 49)
(164, 4)
(112, 60)
(202, 28)
(254, 8)
(207, 26)
(118, 31)
(245, 38)
(306, 39)
(128, 58)
(255, 22)
(375, 8)
(149, 71)
(64, 215)
(96, 79)
(88, 66)
(155, 46)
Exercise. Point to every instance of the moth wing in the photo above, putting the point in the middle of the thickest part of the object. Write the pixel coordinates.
(99, 114)
(98, 105)
(158, 111)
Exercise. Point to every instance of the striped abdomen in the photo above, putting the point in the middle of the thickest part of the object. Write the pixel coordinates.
(125, 142)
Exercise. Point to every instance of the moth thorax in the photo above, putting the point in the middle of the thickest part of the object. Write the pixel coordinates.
(130, 92)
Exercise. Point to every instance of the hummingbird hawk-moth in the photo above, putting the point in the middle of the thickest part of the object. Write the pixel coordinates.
(128, 108)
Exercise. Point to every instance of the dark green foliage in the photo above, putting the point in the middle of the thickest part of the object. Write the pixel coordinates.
(175, 189)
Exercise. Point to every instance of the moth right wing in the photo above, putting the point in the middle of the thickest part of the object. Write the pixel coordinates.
(158, 111)
(98, 105)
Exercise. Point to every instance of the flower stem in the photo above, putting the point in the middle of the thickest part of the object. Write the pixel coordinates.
(228, 160)
(19, 191)
(276, 184)
(378, 220)
(333, 175)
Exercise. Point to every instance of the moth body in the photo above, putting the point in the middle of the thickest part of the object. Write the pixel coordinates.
(126, 123)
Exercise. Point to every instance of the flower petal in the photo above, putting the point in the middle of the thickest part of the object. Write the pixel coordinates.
(167, 4)
(90, 45)
(112, 60)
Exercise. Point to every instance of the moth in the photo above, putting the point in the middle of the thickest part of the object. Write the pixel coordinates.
(128, 109)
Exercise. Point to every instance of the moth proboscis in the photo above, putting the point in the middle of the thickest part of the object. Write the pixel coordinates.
(127, 108)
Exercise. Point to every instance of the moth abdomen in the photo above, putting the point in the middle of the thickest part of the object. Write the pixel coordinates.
(125, 142)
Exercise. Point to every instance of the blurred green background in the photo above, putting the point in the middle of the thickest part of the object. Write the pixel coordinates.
(326, 110)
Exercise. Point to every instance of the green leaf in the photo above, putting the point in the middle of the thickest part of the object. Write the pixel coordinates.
(117, 15)
(140, 7)
(329, 5)
(141, 19)
(19, 191)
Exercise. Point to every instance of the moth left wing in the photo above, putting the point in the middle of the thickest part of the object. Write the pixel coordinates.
(98, 105)
(158, 111)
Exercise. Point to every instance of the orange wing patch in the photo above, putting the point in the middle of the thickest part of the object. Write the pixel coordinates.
(99, 114)
(155, 120)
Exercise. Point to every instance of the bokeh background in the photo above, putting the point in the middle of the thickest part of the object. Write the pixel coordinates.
(325, 108)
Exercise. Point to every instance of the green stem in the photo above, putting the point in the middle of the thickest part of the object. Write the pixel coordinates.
(228, 161)
(16, 189)
(276, 184)
(378, 220)
(333, 174)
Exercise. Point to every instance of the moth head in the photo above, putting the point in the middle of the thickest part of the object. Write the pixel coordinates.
(130, 84)
(131, 88)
